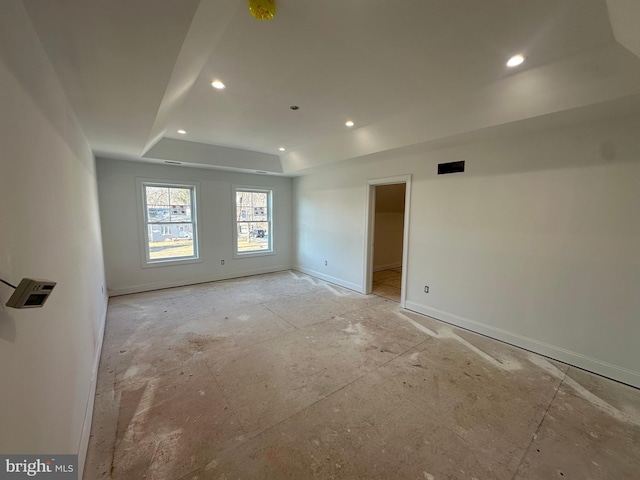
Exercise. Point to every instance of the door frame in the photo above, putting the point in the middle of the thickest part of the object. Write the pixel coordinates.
(370, 215)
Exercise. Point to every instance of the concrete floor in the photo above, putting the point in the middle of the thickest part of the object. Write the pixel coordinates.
(285, 376)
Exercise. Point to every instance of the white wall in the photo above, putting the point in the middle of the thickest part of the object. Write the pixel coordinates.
(535, 244)
(121, 228)
(49, 229)
(387, 240)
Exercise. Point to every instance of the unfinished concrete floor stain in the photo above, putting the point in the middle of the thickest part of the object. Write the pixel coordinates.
(285, 376)
(446, 332)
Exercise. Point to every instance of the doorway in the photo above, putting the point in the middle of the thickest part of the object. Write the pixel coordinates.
(387, 237)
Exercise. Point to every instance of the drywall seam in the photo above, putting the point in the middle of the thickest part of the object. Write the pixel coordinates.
(88, 416)
(328, 278)
(594, 365)
(145, 287)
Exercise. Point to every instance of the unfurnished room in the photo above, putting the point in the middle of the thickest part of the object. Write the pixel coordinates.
(278, 239)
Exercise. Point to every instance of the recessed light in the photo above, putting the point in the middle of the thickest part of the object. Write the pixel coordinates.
(349, 123)
(182, 132)
(282, 149)
(515, 61)
(217, 84)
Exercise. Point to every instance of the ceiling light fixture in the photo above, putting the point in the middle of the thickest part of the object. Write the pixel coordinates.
(217, 84)
(182, 132)
(515, 61)
(262, 9)
(349, 123)
(282, 149)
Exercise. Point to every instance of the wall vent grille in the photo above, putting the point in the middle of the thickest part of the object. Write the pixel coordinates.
(451, 167)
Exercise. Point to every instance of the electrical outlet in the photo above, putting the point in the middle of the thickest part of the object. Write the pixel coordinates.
(426, 289)
(326, 263)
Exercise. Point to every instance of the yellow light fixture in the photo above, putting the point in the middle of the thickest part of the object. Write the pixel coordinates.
(262, 9)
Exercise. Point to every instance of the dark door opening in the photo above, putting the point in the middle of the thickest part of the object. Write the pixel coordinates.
(388, 240)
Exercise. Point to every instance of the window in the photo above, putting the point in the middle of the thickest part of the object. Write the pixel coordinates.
(169, 222)
(253, 221)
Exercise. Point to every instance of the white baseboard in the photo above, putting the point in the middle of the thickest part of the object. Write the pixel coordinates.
(146, 287)
(328, 278)
(88, 415)
(388, 266)
(579, 360)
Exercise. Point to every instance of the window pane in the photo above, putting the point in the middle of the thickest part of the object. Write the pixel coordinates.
(157, 195)
(168, 204)
(170, 241)
(158, 213)
(252, 206)
(157, 199)
(180, 200)
(253, 218)
(180, 213)
(170, 225)
(253, 236)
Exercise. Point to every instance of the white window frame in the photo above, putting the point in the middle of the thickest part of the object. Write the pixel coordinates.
(254, 253)
(146, 261)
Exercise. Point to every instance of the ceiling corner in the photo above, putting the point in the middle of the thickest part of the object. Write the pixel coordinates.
(624, 16)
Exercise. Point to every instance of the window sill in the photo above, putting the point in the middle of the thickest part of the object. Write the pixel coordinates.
(170, 262)
(254, 254)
